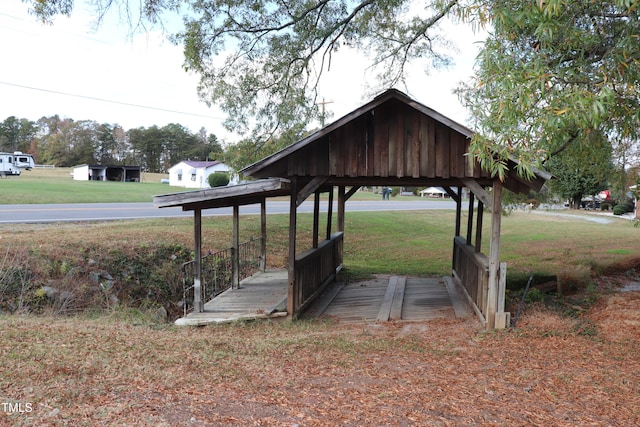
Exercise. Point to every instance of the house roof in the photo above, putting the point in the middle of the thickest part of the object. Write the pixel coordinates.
(200, 164)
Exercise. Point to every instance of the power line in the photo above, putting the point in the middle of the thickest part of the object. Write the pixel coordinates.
(92, 98)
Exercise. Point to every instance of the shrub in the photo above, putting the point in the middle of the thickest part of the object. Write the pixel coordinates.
(620, 209)
(605, 206)
(218, 179)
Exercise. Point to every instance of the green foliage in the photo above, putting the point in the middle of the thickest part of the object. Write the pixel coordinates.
(583, 168)
(218, 179)
(16, 134)
(620, 209)
(549, 73)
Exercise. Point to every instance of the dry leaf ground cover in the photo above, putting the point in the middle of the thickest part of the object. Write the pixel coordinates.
(549, 371)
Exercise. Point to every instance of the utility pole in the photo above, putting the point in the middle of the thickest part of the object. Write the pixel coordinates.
(323, 103)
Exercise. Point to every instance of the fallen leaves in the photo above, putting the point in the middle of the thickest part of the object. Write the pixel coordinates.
(436, 373)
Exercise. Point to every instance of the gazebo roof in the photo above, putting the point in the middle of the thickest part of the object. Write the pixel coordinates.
(392, 140)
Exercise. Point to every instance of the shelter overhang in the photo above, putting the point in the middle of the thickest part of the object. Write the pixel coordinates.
(233, 195)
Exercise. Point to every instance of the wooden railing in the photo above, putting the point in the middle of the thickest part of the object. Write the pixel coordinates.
(471, 268)
(315, 268)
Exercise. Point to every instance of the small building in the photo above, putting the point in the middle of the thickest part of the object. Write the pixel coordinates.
(195, 174)
(434, 192)
(107, 173)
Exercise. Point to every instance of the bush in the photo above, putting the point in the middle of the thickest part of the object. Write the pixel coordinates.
(605, 206)
(218, 179)
(620, 209)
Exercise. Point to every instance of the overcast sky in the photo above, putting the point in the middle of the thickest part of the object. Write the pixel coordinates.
(71, 70)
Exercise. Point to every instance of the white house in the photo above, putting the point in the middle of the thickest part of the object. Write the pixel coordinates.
(195, 174)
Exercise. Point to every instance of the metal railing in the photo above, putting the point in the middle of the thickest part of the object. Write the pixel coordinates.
(217, 271)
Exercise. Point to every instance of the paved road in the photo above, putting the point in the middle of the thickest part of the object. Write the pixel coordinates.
(119, 211)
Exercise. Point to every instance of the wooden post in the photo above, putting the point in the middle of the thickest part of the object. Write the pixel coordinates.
(470, 219)
(235, 255)
(292, 294)
(341, 207)
(198, 305)
(502, 319)
(458, 211)
(263, 235)
(329, 213)
(479, 227)
(494, 254)
(316, 219)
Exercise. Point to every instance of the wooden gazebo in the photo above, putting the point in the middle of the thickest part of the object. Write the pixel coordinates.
(393, 141)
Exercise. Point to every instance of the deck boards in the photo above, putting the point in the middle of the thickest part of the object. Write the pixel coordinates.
(382, 298)
(262, 295)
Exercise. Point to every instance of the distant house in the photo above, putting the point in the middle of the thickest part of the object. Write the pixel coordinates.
(195, 174)
(106, 173)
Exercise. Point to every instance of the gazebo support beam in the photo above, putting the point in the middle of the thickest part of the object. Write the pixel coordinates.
(309, 189)
(316, 219)
(470, 218)
(263, 234)
(329, 213)
(292, 291)
(235, 249)
(341, 207)
(479, 216)
(198, 305)
(494, 259)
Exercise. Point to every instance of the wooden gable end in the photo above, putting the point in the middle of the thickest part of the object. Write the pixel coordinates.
(392, 140)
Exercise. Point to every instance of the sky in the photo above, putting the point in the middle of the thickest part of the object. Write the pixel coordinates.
(77, 72)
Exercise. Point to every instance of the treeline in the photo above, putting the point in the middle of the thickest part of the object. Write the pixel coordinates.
(66, 143)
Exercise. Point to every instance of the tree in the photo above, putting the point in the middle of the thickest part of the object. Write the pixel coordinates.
(17, 134)
(551, 72)
(107, 148)
(582, 169)
(148, 147)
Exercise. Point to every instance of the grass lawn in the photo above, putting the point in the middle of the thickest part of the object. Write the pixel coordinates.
(409, 243)
(56, 186)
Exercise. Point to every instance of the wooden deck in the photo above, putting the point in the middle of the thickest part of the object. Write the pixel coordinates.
(263, 295)
(381, 299)
(391, 298)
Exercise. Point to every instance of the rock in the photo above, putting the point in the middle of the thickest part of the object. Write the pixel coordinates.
(50, 291)
(161, 314)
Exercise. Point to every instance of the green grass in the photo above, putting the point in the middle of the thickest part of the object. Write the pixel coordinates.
(411, 243)
(56, 186)
(408, 243)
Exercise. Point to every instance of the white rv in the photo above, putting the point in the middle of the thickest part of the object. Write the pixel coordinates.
(13, 163)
